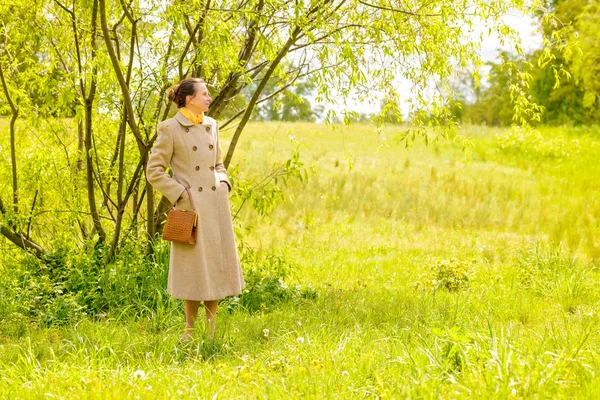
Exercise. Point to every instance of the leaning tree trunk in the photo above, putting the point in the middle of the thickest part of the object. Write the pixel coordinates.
(13, 153)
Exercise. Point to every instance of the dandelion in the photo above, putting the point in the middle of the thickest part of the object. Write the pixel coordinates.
(265, 332)
(247, 377)
(300, 339)
(139, 374)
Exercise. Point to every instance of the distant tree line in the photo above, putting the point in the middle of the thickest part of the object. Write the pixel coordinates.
(570, 97)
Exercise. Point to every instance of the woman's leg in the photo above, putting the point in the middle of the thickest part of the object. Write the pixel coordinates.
(191, 311)
(211, 313)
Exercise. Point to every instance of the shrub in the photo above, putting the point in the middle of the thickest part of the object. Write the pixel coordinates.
(265, 275)
(451, 275)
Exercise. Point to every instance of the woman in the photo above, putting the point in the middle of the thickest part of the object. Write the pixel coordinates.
(188, 143)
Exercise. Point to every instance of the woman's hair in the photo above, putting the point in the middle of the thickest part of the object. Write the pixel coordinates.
(186, 87)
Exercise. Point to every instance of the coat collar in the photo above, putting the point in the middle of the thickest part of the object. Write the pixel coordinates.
(186, 122)
(183, 120)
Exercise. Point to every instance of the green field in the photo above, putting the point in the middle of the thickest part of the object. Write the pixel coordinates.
(438, 274)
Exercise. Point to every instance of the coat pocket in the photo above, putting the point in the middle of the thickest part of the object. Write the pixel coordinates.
(184, 203)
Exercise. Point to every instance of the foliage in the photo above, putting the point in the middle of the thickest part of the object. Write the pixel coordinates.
(108, 64)
(451, 275)
(535, 145)
(74, 285)
(561, 76)
(292, 104)
(550, 272)
(266, 288)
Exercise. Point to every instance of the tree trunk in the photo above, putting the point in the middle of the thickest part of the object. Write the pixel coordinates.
(89, 165)
(80, 147)
(13, 152)
(89, 102)
(150, 215)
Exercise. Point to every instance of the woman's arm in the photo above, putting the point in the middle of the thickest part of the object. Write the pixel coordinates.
(159, 161)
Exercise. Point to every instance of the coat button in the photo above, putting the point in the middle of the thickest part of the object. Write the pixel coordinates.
(194, 148)
(187, 129)
(197, 168)
(208, 129)
(214, 188)
(212, 167)
(200, 189)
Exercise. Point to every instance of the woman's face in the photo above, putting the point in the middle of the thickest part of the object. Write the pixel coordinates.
(201, 100)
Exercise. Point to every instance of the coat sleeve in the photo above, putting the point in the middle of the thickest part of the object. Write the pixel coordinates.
(219, 167)
(159, 161)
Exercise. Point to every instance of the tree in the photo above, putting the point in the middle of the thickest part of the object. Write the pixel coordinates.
(562, 74)
(110, 62)
(291, 104)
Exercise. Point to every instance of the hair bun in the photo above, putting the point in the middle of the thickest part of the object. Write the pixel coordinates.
(173, 94)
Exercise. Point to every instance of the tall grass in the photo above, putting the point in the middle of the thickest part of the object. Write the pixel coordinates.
(438, 273)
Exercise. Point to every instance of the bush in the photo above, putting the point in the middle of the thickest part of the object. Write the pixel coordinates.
(451, 275)
(265, 275)
(71, 284)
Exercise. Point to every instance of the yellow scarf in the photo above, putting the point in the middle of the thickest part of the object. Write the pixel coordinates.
(196, 119)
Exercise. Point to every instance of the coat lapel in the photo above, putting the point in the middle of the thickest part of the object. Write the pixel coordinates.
(183, 120)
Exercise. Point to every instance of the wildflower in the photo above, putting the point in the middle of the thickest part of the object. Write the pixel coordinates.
(265, 332)
(300, 339)
(139, 374)
(345, 373)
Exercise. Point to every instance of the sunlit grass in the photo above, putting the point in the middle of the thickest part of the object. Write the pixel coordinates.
(366, 230)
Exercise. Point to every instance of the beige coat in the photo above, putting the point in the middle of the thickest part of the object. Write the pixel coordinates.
(210, 269)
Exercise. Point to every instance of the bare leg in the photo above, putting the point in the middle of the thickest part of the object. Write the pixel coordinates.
(191, 311)
(211, 313)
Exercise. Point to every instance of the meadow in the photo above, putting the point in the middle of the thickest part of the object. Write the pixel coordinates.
(433, 273)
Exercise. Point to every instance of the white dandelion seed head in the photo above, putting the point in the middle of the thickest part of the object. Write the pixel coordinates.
(139, 374)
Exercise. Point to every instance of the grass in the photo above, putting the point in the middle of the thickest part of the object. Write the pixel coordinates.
(518, 217)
